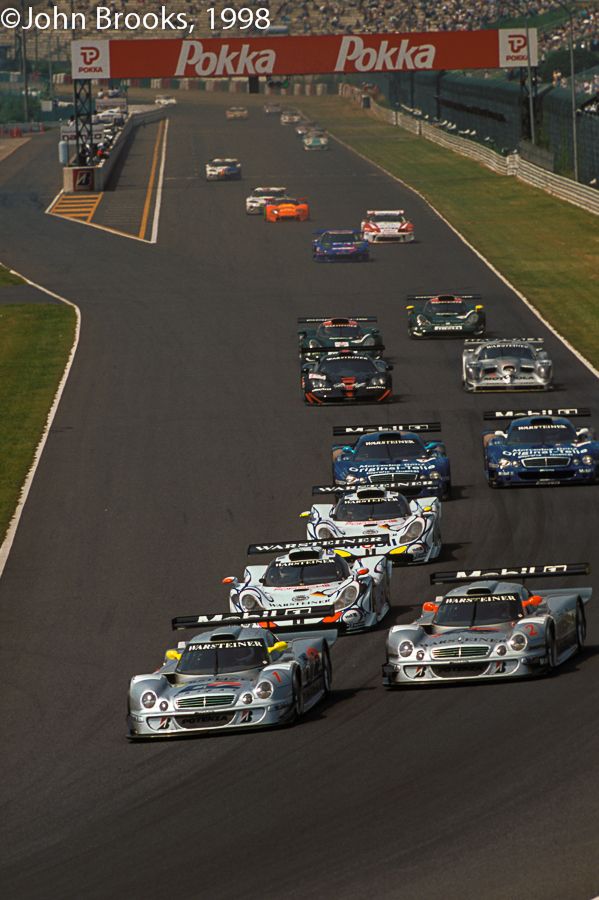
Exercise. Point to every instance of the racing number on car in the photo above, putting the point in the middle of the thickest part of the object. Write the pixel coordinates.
(530, 629)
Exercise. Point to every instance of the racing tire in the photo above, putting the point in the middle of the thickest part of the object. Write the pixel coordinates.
(581, 625)
(298, 697)
(327, 672)
(446, 495)
(551, 649)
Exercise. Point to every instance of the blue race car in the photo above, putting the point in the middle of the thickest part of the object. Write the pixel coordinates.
(540, 447)
(393, 455)
(340, 243)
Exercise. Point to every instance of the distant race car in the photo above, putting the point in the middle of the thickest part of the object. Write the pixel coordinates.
(413, 526)
(445, 315)
(236, 112)
(506, 364)
(387, 225)
(223, 170)
(238, 671)
(304, 127)
(286, 209)
(272, 109)
(340, 244)
(164, 100)
(346, 376)
(540, 448)
(290, 117)
(313, 141)
(255, 203)
(336, 333)
(354, 580)
(492, 629)
(393, 455)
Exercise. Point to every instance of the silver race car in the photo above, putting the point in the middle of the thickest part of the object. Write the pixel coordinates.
(241, 671)
(506, 364)
(413, 526)
(255, 203)
(342, 573)
(493, 628)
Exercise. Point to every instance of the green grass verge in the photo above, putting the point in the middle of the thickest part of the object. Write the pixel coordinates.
(35, 342)
(547, 248)
(7, 277)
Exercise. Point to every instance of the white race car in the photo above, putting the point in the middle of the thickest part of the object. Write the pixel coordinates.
(290, 117)
(236, 112)
(164, 100)
(413, 527)
(387, 225)
(223, 169)
(338, 573)
(260, 196)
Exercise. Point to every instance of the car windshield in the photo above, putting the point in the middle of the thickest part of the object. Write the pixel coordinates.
(340, 237)
(371, 510)
(387, 217)
(215, 658)
(340, 331)
(392, 449)
(541, 434)
(305, 572)
(349, 367)
(456, 308)
(496, 351)
(268, 192)
(469, 611)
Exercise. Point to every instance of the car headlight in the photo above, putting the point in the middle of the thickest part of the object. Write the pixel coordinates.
(148, 699)
(247, 699)
(434, 475)
(347, 596)
(504, 462)
(378, 380)
(249, 601)
(518, 641)
(264, 690)
(470, 372)
(587, 460)
(422, 320)
(349, 479)
(413, 531)
(406, 648)
(500, 649)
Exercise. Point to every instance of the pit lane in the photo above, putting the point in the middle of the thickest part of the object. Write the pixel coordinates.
(153, 482)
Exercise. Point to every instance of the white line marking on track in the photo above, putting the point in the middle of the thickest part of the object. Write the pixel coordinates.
(495, 271)
(7, 543)
(158, 200)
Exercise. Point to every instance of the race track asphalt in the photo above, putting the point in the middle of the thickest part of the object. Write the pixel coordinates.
(181, 437)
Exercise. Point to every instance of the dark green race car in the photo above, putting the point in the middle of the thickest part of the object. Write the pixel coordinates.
(445, 315)
(339, 334)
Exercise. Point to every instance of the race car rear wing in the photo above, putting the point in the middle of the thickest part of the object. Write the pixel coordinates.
(306, 320)
(492, 415)
(504, 340)
(457, 295)
(298, 618)
(548, 570)
(341, 543)
(318, 489)
(372, 429)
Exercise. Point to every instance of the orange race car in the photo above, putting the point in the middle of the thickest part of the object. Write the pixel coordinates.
(285, 209)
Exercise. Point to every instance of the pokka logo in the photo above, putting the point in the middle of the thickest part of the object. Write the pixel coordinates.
(195, 60)
(517, 47)
(91, 59)
(89, 55)
(517, 42)
(355, 56)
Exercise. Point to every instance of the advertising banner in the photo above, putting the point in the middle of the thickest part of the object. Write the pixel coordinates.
(304, 55)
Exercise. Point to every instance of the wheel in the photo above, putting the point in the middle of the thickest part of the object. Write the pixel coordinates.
(551, 649)
(581, 625)
(298, 697)
(447, 492)
(327, 671)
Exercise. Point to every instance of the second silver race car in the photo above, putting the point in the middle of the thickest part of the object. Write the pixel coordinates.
(506, 364)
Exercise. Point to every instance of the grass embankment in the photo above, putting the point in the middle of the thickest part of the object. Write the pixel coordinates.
(547, 248)
(35, 342)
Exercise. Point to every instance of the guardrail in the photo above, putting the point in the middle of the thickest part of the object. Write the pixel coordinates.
(95, 178)
(513, 164)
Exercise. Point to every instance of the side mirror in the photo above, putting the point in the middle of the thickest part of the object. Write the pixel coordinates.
(172, 655)
(347, 448)
(278, 647)
(479, 306)
(389, 367)
(534, 601)
(409, 307)
(362, 572)
(429, 607)
(305, 514)
(228, 580)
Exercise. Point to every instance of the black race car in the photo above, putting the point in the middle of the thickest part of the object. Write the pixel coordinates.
(346, 376)
(338, 333)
